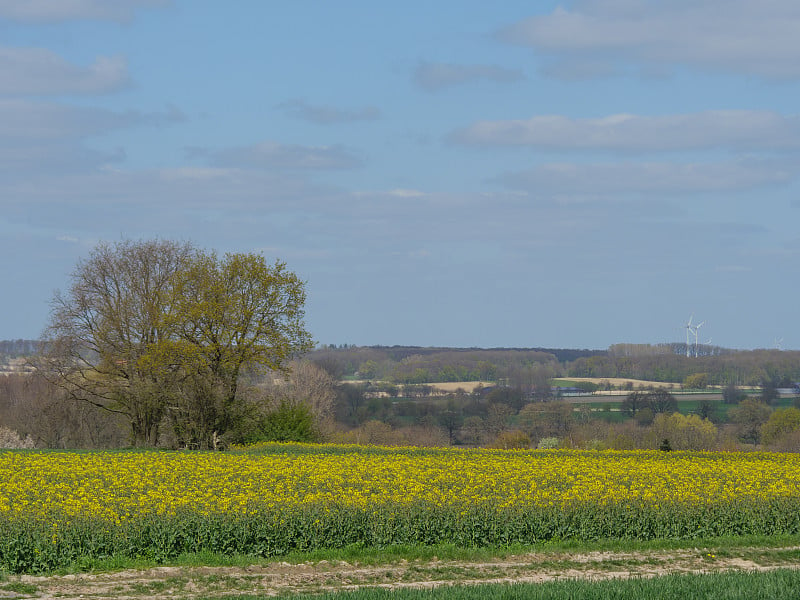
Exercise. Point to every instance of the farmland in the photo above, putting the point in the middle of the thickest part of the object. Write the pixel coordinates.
(719, 572)
(61, 508)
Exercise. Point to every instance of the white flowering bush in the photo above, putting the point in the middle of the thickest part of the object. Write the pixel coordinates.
(11, 439)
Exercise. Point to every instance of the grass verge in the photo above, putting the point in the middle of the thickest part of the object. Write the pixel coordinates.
(776, 585)
(444, 568)
(356, 554)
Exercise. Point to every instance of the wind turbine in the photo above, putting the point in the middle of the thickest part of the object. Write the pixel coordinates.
(688, 330)
(695, 329)
(778, 342)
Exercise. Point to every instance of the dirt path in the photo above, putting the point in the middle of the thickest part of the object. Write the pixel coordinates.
(280, 578)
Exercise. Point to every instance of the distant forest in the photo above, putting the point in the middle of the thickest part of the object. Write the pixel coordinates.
(17, 348)
(666, 363)
(378, 395)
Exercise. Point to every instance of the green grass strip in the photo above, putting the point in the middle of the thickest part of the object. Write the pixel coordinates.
(773, 585)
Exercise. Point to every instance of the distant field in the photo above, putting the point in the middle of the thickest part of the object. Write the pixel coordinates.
(467, 386)
(444, 386)
(710, 393)
(622, 381)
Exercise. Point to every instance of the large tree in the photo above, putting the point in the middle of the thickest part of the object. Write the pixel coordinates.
(633, 403)
(104, 326)
(749, 416)
(230, 314)
(156, 329)
(661, 401)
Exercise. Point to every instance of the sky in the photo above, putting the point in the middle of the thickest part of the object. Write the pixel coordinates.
(570, 174)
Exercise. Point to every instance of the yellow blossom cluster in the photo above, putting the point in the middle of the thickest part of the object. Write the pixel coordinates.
(116, 486)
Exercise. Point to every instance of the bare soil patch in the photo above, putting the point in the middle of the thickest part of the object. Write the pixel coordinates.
(467, 386)
(622, 381)
(447, 387)
(271, 579)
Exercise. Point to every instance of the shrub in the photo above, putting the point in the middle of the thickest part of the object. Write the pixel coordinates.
(780, 423)
(732, 394)
(696, 381)
(512, 440)
(548, 443)
(684, 432)
(287, 423)
(10, 439)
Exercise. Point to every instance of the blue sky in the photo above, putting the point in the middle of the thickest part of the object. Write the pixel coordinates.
(529, 174)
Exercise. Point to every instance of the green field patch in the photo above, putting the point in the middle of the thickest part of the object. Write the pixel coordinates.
(777, 585)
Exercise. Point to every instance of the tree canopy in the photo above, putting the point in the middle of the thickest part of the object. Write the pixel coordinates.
(160, 331)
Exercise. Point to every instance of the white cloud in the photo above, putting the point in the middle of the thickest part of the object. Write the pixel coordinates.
(46, 11)
(435, 76)
(406, 193)
(171, 199)
(39, 137)
(661, 177)
(733, 35)
(23, 119)
(27, 120)
(272, 155)
(23, 159)
(197, 174)
(736, 129)
(38, 71)
(327, 115)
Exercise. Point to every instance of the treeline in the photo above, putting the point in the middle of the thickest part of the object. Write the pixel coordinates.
(665, 363)
(415, 365)
(311, 406)
(742, 368)
(392, 402)
(506, 417)
(17, 348)
(272, 406)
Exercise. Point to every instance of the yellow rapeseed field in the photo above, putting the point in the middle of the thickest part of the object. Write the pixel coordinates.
(118, 486)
